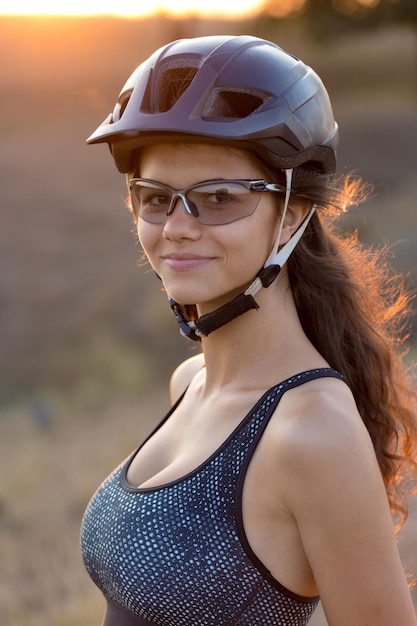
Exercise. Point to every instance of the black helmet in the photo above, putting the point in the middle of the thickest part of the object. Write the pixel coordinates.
(242, 91)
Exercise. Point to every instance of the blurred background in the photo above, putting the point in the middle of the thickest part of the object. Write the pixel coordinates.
(87, 340)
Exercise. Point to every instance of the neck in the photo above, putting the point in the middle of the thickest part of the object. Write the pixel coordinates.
(261, 347)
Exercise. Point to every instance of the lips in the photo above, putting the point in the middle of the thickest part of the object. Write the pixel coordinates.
(185, 261)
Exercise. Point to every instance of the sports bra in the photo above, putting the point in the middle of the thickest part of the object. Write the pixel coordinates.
(177, 554)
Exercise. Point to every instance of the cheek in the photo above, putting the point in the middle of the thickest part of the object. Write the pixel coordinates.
(149, 235)
(260, 234)
(250, 243)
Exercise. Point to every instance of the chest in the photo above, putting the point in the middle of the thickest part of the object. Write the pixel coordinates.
(177, 555)
(191, 435)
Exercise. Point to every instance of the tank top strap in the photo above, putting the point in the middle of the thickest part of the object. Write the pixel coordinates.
(266, 405)
(308, 375)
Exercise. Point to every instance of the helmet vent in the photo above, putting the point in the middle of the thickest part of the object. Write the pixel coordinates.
(120, 107)
(171, 84)
(233, 103)
(124, 103)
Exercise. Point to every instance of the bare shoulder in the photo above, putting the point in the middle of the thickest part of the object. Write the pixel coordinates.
(183, 375)
(333, 490)
(316, 439)
(321, 418)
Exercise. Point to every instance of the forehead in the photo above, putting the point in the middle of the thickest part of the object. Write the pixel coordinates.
(186, 163)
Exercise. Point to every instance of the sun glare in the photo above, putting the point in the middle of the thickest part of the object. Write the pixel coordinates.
(132, 8)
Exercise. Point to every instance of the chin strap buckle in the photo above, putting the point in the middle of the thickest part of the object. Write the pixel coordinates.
(267, 275)
(186, 329)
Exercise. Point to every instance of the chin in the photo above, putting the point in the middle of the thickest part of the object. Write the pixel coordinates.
(185, 291)
(205, 296)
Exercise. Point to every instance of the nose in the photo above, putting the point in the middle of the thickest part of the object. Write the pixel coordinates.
(189, 206)
(181, 223)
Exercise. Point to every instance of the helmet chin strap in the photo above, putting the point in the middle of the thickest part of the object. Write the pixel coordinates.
(206, 324)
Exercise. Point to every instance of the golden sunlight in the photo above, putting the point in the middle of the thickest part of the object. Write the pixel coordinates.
(133, 8)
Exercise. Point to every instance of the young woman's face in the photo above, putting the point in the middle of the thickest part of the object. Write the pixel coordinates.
(201, 264)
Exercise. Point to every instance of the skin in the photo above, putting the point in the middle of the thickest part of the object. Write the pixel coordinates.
(321, 522)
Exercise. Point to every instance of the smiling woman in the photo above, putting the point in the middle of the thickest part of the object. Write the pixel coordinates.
(131, 8)
(269, 482)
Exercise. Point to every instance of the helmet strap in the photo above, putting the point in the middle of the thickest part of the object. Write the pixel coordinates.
(206, 324)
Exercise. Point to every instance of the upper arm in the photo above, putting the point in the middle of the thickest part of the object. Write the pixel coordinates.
(184, 374)
(339, 502)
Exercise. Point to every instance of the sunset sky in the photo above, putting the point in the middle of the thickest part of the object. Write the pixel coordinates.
(132, 8)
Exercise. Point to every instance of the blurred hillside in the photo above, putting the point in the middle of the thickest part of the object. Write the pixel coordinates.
(76, 312)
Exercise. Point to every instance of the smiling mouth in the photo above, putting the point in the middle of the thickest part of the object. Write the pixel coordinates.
(186, 261)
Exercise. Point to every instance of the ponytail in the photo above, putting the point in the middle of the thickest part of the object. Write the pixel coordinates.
(354, 311)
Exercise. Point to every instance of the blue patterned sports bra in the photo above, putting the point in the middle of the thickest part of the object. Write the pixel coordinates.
(177, 554)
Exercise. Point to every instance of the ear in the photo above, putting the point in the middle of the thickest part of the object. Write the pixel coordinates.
(296, 213)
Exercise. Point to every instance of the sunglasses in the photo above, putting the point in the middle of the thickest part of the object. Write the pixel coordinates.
(211, 203)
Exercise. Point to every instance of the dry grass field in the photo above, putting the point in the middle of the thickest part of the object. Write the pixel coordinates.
(86, 338)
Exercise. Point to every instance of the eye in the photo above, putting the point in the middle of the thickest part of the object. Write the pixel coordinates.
(152, 199)
(158, 199)
(220, 196)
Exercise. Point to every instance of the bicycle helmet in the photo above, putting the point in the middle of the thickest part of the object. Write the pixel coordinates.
(225, 89)
(241, 91)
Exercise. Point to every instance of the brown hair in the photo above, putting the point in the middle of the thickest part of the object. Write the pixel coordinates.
(354, 310)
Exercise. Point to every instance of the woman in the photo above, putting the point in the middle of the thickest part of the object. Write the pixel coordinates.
(269, 483)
